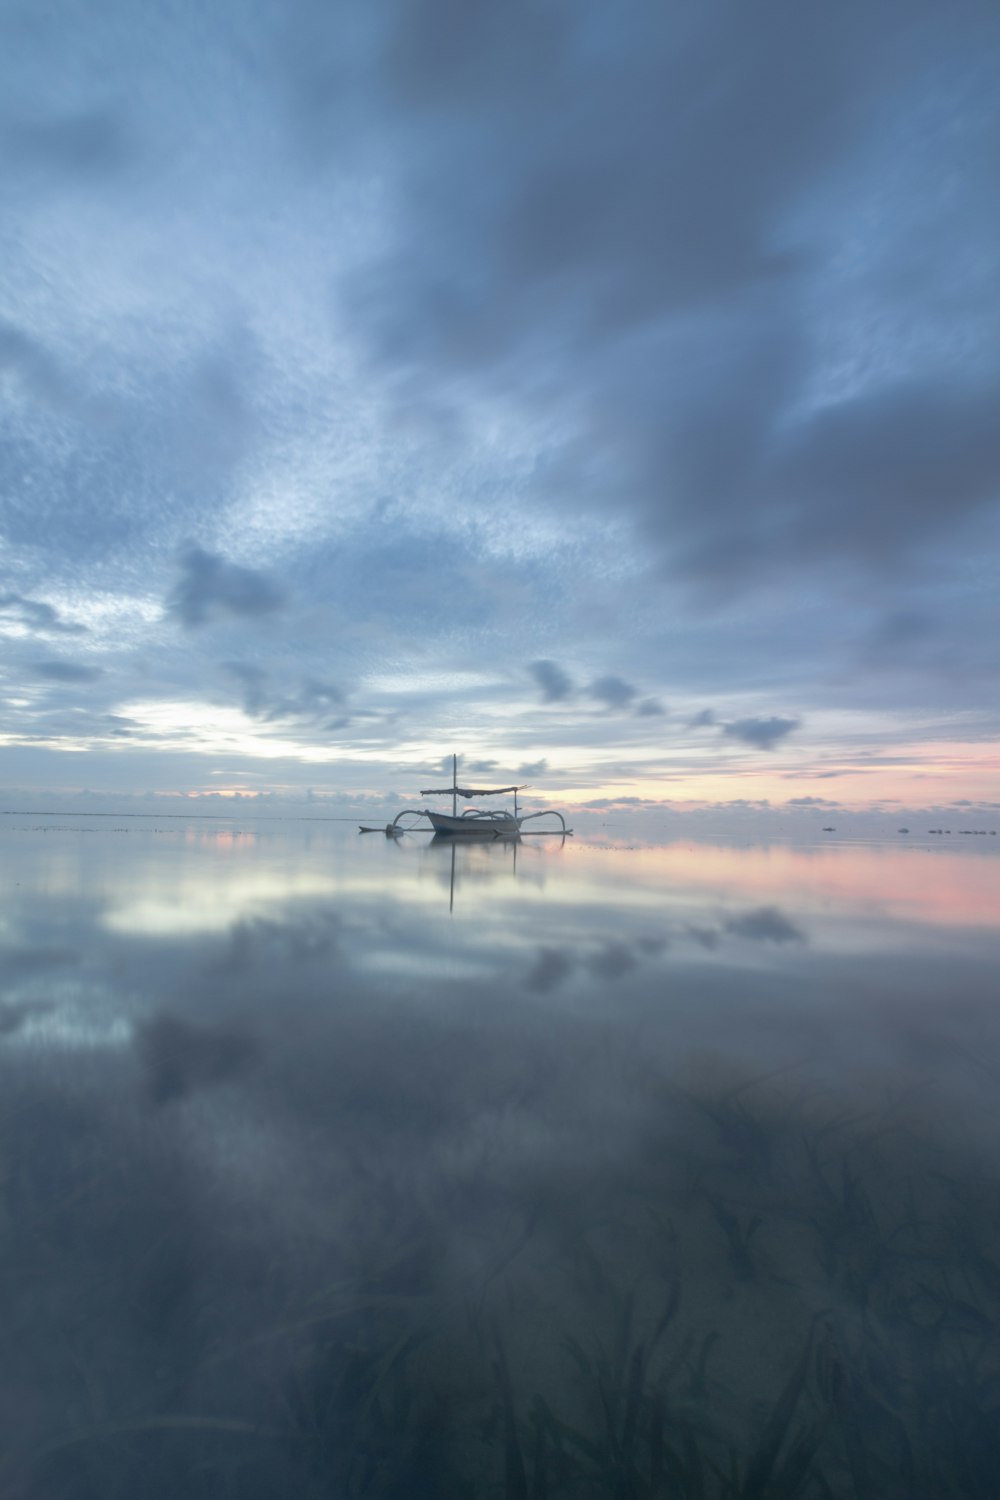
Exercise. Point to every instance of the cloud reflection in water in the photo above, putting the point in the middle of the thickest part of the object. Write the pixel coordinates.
(354, 1107)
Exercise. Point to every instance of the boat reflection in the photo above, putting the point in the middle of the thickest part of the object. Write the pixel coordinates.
(483, 858)
(486, 855)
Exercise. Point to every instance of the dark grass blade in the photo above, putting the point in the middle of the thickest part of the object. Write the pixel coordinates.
(698, 1383)
(765, 1457)
(540, 1473)
(657, 1458)
(515, 1475)
(580, 1358)
(666, 1317)
(633, 1396)
(694, 1468)
(794, 1469)
(623, 1340)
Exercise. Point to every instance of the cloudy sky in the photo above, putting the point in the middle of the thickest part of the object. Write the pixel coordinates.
(607, 392)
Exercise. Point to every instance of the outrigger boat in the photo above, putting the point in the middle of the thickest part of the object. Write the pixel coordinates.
(472, 821)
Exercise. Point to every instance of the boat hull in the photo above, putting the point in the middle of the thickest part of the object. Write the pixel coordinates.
(474, 825)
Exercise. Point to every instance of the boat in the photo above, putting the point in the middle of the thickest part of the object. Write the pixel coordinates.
(472, 822)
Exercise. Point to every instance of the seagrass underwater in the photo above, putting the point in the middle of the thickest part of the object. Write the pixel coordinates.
(602, 1166)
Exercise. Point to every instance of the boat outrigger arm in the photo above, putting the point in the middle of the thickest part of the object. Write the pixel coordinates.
(471, 820)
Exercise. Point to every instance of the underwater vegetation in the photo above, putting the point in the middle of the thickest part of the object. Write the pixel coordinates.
(773, 1295)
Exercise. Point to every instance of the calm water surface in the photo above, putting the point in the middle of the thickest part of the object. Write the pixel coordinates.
(339, 1166)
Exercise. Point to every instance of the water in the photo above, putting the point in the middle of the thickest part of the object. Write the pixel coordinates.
(340, 1166)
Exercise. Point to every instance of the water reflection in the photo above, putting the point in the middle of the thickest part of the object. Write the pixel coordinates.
(402, 1168)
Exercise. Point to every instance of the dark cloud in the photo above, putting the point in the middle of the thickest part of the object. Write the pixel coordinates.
(89, 143)
(179, 1058)
(553, 199)
(703, 720)
(894, 464)
(670, 263)
(313, 701)
(706, 937)
(17, 962)
(865, 479)
(533, 768)
(254, 679)
(612, 962)
(650, 708)
(66, 671)
(811, 802)
(551, 968)
(555, 684)
(14, 1014)
(901, 628)
(764, 733)
(286, 945)
(766, 924)
(37, 615)
(209, 586)
(121, 726)
(613, 692)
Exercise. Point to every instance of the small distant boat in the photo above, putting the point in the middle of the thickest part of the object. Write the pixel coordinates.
(473, 822)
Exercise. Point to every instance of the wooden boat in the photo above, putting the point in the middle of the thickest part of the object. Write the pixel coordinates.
(473, 822)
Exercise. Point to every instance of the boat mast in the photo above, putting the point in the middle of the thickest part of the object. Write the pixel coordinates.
(454, 786)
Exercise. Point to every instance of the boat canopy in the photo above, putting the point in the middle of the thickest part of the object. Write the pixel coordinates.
(469, 791)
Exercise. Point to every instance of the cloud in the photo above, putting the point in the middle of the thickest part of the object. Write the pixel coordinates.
(703, 720)
(603, 802)
(37, 615)
(253, 678)
(708, 938)
(556, 685)
(209, 586)
(574, 215)
(686, 282)
(121, 726)
(611, 962)
(36, 371)
(764, 733)
(583, 379)
(613, 692)
(315, 696)
(85, 143)
(550, 969)
(811, 802)
(180, 1058)
(15, 1013)
(892, 465)
(533, 768)
(66, 671)
(313, 702)
(766, 924)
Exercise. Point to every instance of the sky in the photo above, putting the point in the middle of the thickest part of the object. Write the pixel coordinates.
(606, 393)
